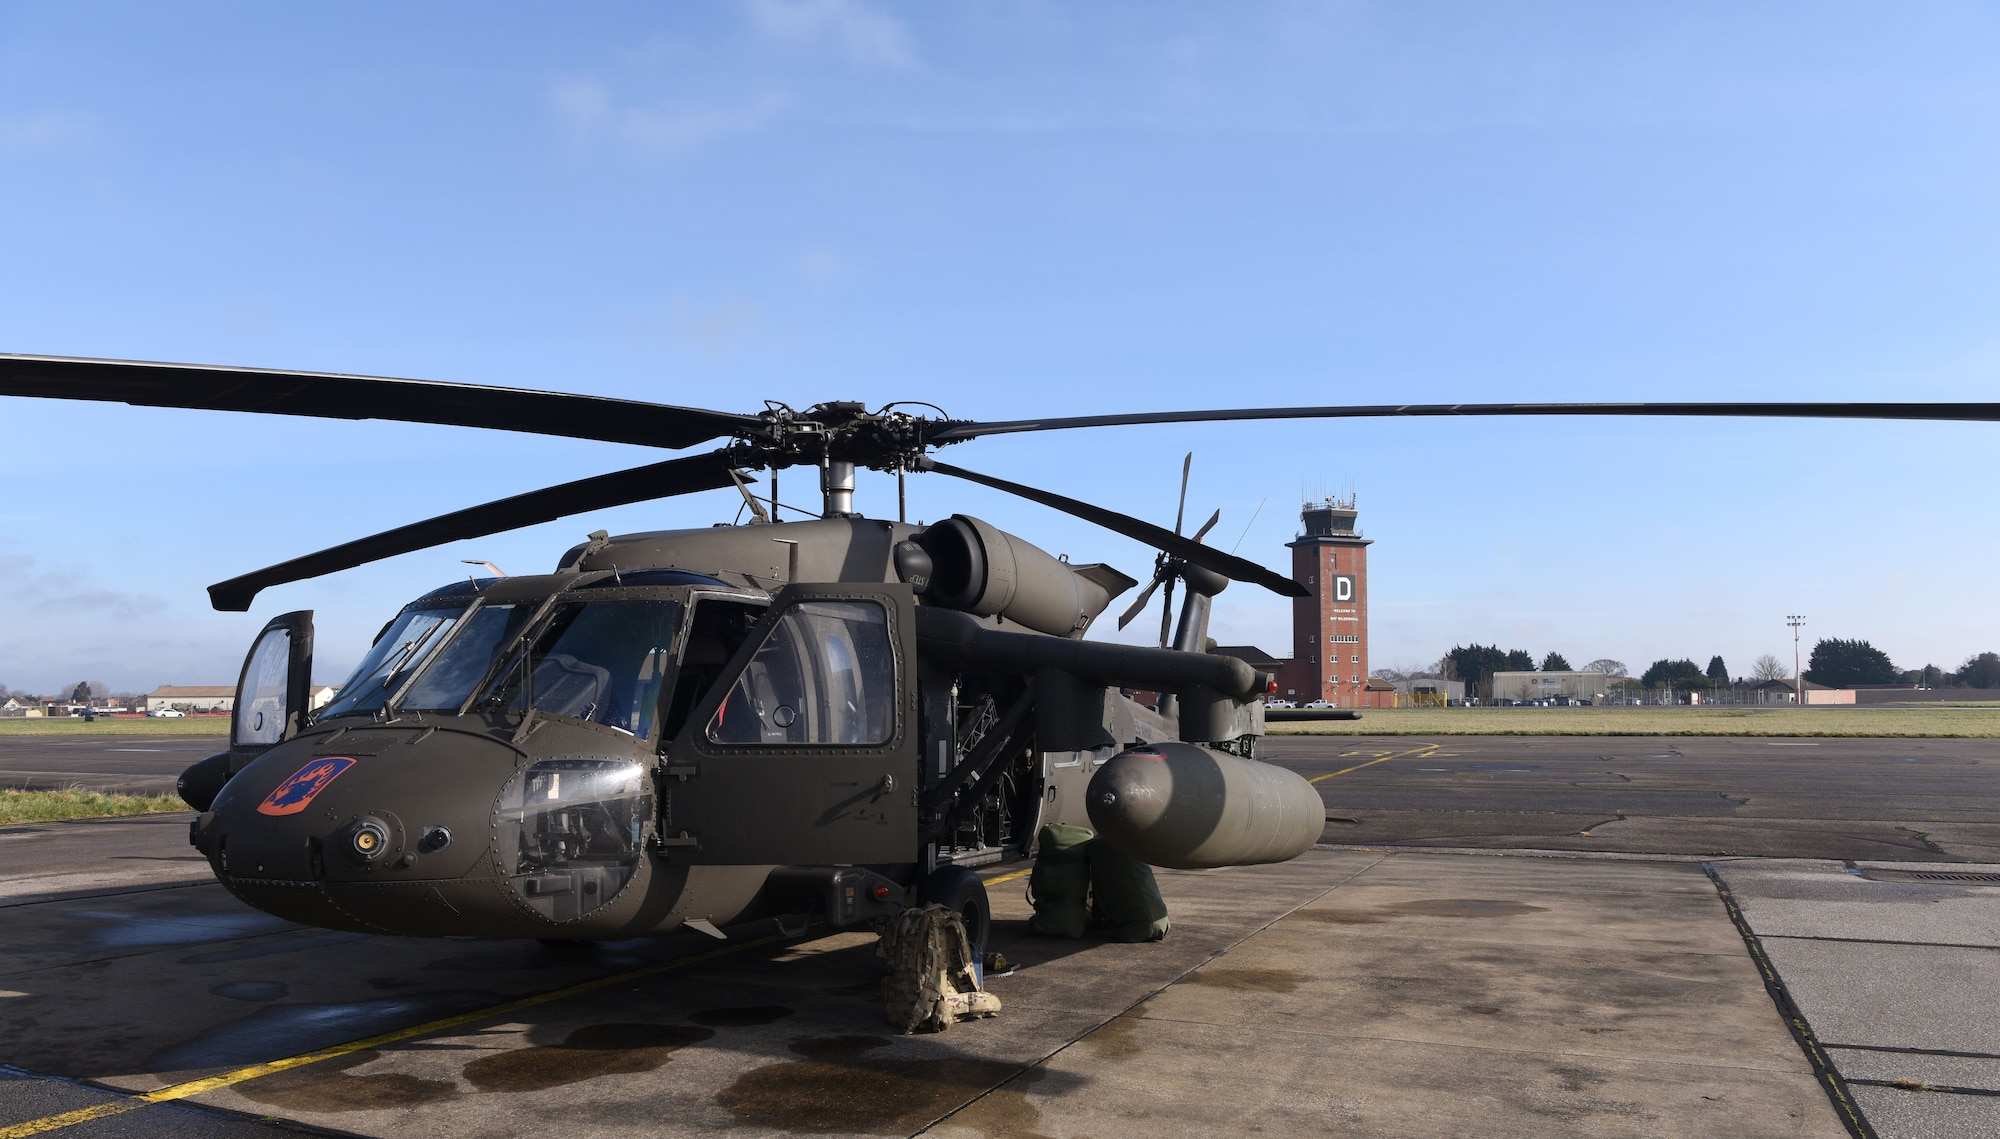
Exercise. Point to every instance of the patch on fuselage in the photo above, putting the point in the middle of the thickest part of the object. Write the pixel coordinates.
(296, 793)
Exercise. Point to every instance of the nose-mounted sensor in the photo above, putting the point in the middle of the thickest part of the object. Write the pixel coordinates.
(368, 839)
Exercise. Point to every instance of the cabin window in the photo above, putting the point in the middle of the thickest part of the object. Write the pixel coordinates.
(825, 674)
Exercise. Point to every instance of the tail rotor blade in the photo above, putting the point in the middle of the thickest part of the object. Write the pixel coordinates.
(1208, 525)
(1167, 612)
(1138, 606)
(1180, 512)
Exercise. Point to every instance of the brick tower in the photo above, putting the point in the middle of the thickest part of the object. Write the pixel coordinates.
(1330, 625)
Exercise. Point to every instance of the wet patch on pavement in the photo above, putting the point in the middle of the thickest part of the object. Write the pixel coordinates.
(1117, 1039)
(258, 991)
(1338, 917)
(1425, 907)
(271, 949)
(276, 1031)
(839, 1085)
(742, 1016)
(1250, 980)
(123, 929)
(330, 1086)
(1461, 908)
(591, 1051)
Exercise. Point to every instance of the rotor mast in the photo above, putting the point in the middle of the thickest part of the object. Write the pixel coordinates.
(836, 486)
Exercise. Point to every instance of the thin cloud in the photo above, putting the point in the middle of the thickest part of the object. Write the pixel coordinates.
(718, 329)
(820, 265)
(39, 130)
(47, 592)
(593, 114)
(857, 32)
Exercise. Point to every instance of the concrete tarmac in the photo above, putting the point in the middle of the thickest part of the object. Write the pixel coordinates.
(117, 764)
(1707, 797)
(1364, 989)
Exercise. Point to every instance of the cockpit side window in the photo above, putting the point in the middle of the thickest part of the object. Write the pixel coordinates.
(450, 680)
(397, 653)
(825, 674)
(716, 630)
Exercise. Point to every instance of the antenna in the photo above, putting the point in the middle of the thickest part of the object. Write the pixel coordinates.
(1247, 525)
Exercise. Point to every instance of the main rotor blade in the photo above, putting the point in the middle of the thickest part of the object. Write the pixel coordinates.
(1158, 537)
(953, 432)
(332, 396)
(1208, 525)
(638, 484)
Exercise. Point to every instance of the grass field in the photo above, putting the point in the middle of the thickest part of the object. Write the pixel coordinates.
(45, 806)
(1961, 721)
(136, 726)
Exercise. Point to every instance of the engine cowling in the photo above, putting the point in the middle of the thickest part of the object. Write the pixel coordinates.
(977, 568)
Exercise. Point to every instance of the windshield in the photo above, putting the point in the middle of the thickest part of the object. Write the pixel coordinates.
(450, 680)
(601, 661)
(397, 653)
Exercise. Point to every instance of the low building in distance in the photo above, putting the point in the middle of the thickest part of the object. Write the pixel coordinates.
(1589, 686)
(1788, 691)
(213, 697)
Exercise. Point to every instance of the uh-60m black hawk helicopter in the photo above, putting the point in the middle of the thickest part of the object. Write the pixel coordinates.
(697, 727)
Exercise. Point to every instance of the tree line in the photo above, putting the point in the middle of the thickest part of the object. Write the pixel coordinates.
(1835, 663)
(1840, 663)
(82, 692)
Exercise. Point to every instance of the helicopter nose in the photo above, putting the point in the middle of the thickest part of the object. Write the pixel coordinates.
(371, 807)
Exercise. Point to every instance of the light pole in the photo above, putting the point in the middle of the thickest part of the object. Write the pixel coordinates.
(1798, 681)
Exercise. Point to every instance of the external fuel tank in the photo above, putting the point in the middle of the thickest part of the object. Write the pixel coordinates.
(1189, 808)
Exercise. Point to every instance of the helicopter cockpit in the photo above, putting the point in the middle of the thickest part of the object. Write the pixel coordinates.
(599, 651)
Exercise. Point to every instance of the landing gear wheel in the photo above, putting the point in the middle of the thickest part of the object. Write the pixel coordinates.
(963, 893)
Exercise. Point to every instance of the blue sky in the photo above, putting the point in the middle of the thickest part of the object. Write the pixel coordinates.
(1016, 209)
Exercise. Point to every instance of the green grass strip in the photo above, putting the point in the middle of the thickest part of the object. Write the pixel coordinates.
(75, 803)
(217, 726)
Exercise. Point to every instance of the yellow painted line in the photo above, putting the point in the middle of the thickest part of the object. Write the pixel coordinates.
(69, 1118)
(1416, 751)
(989, 882)
(214, 1083)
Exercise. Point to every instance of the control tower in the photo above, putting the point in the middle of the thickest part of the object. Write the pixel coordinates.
(1330, 624)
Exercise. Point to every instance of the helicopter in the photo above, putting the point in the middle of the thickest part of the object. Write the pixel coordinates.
(833, 718)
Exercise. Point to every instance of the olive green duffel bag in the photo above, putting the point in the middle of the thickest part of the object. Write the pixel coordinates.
(1128, 896)
(1059, 887)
